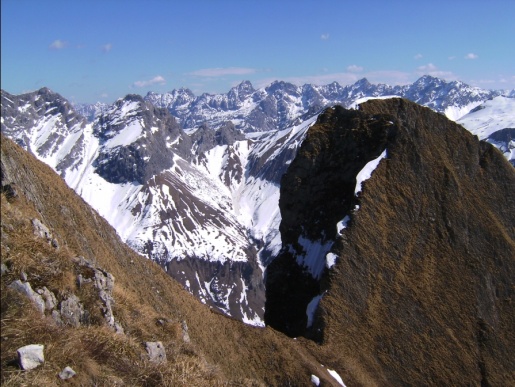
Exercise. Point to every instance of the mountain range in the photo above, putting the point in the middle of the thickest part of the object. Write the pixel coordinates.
(395, 263)
(282, 104)
(193, 183)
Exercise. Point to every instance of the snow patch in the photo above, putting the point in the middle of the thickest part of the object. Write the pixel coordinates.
(336, 377)
(313, 255)
(330, 260)
(366, 172)
(342, 224)
(311, 309)
(127, 136)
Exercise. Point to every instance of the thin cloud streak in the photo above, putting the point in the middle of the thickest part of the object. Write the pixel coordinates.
(58, 44)
(157, 80)
(354, 68)
(431, 69)
(222, 71)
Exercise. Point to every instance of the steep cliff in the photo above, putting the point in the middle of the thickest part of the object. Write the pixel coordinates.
(423, 285)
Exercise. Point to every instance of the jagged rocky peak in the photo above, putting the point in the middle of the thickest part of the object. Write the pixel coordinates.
(282, 87)
(33, 106)
(419, 271)
(241, 91)
(138, 140)
(227, 134)
(206, 138)
(41, 122)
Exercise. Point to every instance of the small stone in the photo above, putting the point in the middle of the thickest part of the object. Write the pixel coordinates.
(23, 276)
(67, 373)
(4, 269)
(185, 335)
(31, 356)
(40, 230)
(156, 351)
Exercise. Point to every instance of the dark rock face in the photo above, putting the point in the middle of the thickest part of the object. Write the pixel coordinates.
(317, 192)
(422, 288)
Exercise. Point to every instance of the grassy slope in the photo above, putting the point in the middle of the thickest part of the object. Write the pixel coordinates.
(424, 289)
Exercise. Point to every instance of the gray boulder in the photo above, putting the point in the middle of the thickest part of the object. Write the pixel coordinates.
(72, 311)
(48, 297)
(31, 356)
(26, 289)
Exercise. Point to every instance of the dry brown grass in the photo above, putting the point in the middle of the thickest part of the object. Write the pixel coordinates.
(99, 356)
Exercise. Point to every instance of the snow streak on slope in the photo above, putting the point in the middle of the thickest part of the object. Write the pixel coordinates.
(255, 196)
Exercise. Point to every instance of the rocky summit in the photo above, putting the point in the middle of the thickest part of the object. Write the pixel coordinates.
(406, 278)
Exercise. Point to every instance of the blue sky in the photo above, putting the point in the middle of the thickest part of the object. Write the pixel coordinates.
(101, 50)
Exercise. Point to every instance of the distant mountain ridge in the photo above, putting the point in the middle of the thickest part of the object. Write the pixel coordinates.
(280, 104)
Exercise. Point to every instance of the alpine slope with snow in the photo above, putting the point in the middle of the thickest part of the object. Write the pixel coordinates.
(203, 205)
(494, 121)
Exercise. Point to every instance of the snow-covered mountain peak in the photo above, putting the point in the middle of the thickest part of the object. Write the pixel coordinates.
(494, 121)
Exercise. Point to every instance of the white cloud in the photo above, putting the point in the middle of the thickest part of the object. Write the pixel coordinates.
(431, 69)
(452, 57)
(107, 47)
(104, 95)
(58, 44)
(354, 68)
(157, 80)
(471, 56)
(427, 68)
(418, 56)
(221, 71)
(324, 36)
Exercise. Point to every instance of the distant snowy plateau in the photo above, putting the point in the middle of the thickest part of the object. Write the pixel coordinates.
(193, 182)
